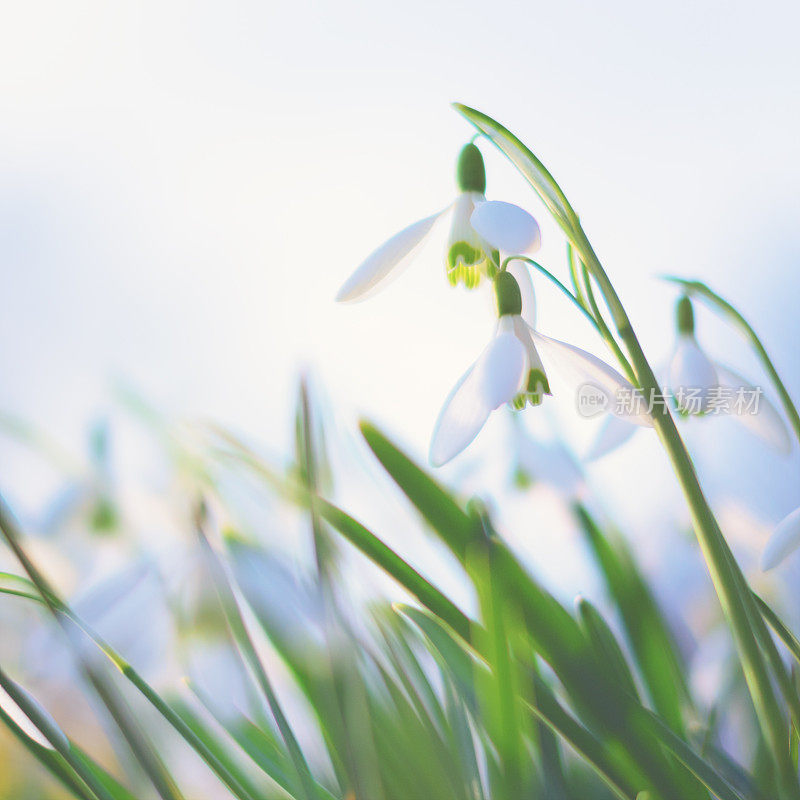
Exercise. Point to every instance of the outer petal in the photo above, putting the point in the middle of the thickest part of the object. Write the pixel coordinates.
(783, 541)
(613, 433)
(387, 261)
(691, 371)
(522, 275)
(502, 367)
(507, 227)
(493, 380)
(767, 423)
(588, 371)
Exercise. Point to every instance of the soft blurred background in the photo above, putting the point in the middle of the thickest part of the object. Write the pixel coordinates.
(184, 186)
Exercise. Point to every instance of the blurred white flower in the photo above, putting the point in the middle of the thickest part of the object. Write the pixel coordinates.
(477, 230)
(548, 462)
(785, 540)
(510, 370)
(699, 387)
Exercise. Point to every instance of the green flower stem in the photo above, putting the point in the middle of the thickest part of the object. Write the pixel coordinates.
(549, 275)
(573, 275)
(608, 337)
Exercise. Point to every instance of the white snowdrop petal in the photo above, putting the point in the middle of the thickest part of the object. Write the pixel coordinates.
(522, 275)
(507, 227)
(766, 423)
(587, 371)
(613, 433)
(386, 263)
(691, 375)
(784, 540)
(464, 413)
(501, 369)
(493, 380)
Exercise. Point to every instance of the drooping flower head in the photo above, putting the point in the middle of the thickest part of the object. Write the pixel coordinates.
(479, 230)
(699, 386)
(692, 375)
(469, 258)
(510, 371)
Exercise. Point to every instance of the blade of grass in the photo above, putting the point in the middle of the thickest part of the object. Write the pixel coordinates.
(243, 641)
(51, 760)
(59, 607)
(605, 645)
(436, 505)
(785, 635)
(648, 634)
(139, 744)
(54, 735)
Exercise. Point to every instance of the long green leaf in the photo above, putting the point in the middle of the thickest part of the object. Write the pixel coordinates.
(442, 513)
(648, 634)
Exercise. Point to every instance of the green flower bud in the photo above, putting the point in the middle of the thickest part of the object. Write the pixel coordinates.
(684, 315)
(509, 299)
(470, 172)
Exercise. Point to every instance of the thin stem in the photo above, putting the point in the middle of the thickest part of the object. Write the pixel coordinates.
(573, 275)
(546, 272)
(604, 329)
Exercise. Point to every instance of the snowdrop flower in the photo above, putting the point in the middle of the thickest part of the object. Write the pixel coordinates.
(693, 377)
(785, 539)
(700, 387)
(478, 230)
(510, 371)
(547, 462)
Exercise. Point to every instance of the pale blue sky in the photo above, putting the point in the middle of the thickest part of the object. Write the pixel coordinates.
(183, 186)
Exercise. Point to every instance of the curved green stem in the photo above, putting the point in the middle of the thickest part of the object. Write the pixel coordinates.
(573, 275)
(546, 272)
(604, 329)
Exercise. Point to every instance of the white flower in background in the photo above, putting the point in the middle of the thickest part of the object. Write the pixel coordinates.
(701, 387)
(510, 370)
(472, 245)
(550, 463)
(785, 540)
